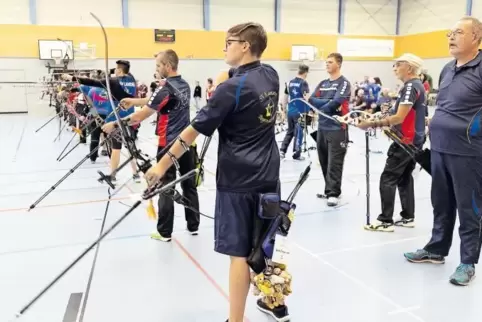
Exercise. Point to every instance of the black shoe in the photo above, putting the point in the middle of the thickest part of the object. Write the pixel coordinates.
(321, 196)
(280, 313)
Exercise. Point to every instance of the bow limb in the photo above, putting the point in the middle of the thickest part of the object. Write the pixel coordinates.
(343, 119)
(124, 131)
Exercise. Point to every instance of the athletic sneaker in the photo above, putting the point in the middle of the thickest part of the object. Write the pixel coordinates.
(300, 158)
(282, 155)
(137, 178)
(280, 313)
(158, 236)
(422, 256)
(332, 202)
(321, 196)
(463, 275)
(194, 232)
(381, 226)
(403, 222)
(104, 153)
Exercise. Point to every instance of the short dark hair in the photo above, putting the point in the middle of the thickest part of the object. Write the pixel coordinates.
(303, 69)
(210, 80)
(170, 57)
(124, 65)
(252, 33)
(337, 56)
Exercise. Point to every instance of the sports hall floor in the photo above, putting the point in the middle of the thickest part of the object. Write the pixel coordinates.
(341, 272)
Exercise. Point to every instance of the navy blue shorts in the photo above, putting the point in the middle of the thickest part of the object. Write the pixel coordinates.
(233, 223)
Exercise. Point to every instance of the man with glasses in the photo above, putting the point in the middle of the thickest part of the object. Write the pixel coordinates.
(456, 144)
(243, 110)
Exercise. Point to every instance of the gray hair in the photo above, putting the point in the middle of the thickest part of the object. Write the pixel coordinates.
(476, 26)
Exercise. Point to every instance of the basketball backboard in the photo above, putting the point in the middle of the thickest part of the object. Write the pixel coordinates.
(55, 49)
(303, 53)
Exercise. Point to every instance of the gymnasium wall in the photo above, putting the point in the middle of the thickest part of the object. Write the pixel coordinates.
(200, 30)
(370, 17)
(424, 25)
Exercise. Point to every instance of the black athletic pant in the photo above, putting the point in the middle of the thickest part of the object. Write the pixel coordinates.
(290, 133)
(397, 174)
(165, 221)
(95, 138)
(331, 147)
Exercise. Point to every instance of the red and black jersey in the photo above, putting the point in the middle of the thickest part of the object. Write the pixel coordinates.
(172, 103)
(412, 128)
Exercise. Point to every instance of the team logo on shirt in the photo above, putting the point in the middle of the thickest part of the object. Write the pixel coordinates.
(269, 100)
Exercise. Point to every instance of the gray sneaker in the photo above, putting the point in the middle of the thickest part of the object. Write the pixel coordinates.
(422, 256)
(463, 275)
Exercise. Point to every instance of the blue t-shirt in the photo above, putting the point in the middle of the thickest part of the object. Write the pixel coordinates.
(128, 84)
(376, 89)
(100, 101)
(243, 109)
(84, 89)
(296, 88)
(456, 125)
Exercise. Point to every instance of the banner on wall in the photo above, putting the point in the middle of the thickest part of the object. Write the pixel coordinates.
(359, 47)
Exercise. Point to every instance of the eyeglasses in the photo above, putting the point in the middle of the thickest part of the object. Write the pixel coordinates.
(455, 33)
(230, 41)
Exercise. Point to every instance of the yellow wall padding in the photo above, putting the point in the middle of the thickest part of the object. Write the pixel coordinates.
(22, 41)
(426, 45)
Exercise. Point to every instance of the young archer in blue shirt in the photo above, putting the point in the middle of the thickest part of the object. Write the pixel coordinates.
(123, 85)
(243, 110)
(332, 97)
(296, 88)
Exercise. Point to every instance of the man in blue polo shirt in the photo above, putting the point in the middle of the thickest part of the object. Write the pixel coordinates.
(296, 88)
(456, 145)
(243, 110)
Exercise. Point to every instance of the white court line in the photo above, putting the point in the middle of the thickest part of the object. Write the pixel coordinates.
(349, 249)
(404, 310)
(361, 284)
